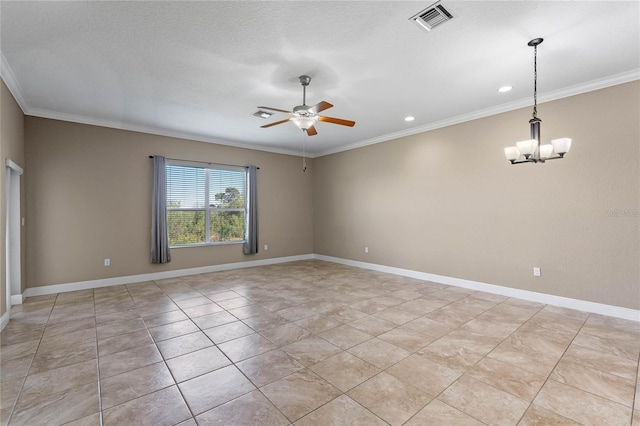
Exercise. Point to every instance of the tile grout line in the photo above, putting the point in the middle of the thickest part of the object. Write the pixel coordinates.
(24, 381)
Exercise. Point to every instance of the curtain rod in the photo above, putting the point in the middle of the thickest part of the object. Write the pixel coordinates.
(203, 162)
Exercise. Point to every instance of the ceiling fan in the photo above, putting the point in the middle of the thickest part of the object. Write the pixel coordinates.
(305, 116)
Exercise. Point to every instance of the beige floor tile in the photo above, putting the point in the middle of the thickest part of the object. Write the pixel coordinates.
(592, 360)
(124, 387)
(636, 418)
(319, 323)
(156, 320)
(429, 327)
(623, 347)
(18, 350)
(538, 416)
(248, 311)
(285, 334)
(90, 420)
(183, 344)
(225, 295)
(426, 375)
(546, 321)
(165, 406)
(441, 414)
(250, 409)
(175, 329)
(194, 301)
(406, 338)
(344, 370)
(345, 336)
(132, 359)
(582, 406)
(116, 316)
(246, 347)
(269, 367)
(124, 342)
(65, 349)
(215, 388)
(472, 340)
(9, 392)
(341, 411)
(448, 353)
(299, 393)
(196, 363)
(484, 402)
(230, 331)
(607, 363)
(263, 322)
(373, 325)
(69, 327)
(105, 331)
(397, 315)
(311, 350)
(595, 381)
(389, 398)
(202, 310)
(379, 353)
(530, 351)
(347, 315)
(9, 337)
(509, 378)
(58, 407)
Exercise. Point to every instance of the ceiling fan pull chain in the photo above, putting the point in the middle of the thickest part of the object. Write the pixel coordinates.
(304, 142)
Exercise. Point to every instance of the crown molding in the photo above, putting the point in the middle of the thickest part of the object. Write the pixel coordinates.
(566, 92)
(10, 80)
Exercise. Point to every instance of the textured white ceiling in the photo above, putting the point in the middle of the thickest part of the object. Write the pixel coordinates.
(200, 69)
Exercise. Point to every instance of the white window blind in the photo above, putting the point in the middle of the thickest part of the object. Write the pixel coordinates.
(205, 205)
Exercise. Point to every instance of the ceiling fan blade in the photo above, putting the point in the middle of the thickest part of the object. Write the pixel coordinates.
(311, 131)
(340, 121)
(273, 124)
(275, 109)
(320, 107)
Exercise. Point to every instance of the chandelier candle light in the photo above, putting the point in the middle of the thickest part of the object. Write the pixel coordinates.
(530, 151)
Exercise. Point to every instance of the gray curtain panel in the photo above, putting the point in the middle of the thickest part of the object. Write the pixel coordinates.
(251, 213)
(159, 229)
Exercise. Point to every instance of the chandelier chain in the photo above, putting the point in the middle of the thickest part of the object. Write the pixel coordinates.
(535, 81)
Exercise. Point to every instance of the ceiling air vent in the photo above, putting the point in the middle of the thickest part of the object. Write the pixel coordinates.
(432, 16)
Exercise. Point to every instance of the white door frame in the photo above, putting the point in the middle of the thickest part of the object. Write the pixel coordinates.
(12, 248)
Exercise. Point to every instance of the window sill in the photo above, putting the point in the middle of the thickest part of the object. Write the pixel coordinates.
(221, 243)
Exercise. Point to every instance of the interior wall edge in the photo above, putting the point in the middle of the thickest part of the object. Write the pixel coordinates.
(132, 279)
(532, 296)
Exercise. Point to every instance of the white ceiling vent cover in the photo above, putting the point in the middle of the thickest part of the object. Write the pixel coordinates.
(432, 16)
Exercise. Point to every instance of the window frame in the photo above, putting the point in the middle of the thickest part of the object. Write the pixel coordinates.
(207, 209)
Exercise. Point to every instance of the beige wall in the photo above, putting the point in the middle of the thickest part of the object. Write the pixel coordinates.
(89, 198)
(447, 202)
(11, 147)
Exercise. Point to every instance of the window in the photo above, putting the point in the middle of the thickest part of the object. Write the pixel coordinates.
(205, 205)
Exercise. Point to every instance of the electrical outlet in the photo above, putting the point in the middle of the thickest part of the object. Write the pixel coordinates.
(266, 247)
(366, 249)
(107, 262)
(536, 271)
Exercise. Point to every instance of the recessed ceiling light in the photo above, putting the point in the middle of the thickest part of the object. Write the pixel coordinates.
(409, 118)
(262, 114)
(504, 89)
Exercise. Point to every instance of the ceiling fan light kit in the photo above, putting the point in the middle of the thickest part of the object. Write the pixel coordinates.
(304, 116)
(530, 150)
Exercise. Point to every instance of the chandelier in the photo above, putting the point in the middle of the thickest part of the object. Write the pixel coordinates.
(530, 150)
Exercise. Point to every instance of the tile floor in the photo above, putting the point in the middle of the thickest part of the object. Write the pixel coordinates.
(312, 343)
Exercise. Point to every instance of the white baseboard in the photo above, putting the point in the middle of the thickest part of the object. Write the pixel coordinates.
(17, 299)
(548, 299)
(581, 305)
(4, 320)
(106, 282)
